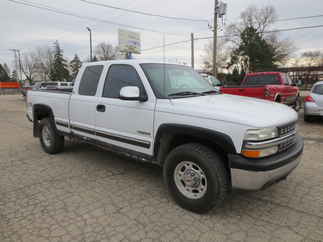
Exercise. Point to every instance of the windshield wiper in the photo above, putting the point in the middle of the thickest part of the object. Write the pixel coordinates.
(210, 92)
(185, 93)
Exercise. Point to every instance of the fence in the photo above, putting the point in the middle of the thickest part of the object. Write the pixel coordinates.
(9, 88)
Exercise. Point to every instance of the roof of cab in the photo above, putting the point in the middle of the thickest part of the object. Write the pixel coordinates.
(132, 61)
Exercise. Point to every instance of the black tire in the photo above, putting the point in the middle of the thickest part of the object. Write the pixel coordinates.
(56, 143)
(218, 185)
(308, 118)
(298, 104)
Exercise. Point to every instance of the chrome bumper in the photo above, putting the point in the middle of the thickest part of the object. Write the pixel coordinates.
(256, 180)
(252, 174)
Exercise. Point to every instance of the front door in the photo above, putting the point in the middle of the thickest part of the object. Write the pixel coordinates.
(126, 124)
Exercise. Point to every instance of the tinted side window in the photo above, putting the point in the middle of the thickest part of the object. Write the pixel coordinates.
(262, 80)
(90, 80)
(118, 77)
(318, 89)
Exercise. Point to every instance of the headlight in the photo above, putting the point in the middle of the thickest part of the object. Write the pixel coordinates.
(261, 134)
(253, 143)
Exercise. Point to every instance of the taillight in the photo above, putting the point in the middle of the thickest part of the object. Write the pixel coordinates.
(309, 99)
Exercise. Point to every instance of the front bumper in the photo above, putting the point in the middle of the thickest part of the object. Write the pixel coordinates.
(255, 174)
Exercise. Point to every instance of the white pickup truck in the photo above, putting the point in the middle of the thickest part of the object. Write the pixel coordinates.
(168, 114)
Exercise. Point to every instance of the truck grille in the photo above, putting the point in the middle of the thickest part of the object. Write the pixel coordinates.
(286, 129)
(288, 143)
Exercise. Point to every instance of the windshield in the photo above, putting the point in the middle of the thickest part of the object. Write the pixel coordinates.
(168, 80)
(318, 89)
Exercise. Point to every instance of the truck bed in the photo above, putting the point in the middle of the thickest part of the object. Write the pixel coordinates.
(56, 99)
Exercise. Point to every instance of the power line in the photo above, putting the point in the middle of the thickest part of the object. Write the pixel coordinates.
(297, 18)
(144, 13)
(63, 12)
(225, 36)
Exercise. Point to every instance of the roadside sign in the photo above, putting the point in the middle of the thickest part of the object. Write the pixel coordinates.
(129, 41)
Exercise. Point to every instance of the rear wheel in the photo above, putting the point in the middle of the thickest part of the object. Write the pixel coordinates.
(50, 140)
(196, 177)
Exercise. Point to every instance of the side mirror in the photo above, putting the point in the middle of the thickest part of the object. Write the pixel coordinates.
(132, 93)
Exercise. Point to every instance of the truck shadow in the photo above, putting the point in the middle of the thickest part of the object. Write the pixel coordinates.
(150, 175)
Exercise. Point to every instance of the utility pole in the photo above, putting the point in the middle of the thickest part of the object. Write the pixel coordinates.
(215, 36)
(192, 50)
(18, 65)
(90, 31)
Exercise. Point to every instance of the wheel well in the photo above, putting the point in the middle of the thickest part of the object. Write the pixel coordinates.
(169, 142)
(40, 112)
(278, 98)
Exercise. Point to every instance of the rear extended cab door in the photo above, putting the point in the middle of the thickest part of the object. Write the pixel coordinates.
(252, 86)
(124, 123)
(84, 100)
(287, 91)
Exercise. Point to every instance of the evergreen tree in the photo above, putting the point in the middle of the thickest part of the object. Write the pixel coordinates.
(4, 77)
(75, 65)
(254, 53)
(14, 76)
(59, 71)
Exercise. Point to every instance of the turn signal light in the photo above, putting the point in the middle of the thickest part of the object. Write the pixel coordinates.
(309, 99)
(251, 153)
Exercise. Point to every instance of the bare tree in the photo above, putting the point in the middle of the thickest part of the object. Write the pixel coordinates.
(312, 58)
(223, 55)
(45, 59)
(261, 19)
(29, 65)
(37, 64)
(105, 51)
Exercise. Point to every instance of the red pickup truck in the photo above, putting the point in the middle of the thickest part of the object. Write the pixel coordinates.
(273, 86)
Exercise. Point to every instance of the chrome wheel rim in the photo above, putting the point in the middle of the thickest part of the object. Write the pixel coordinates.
(190, 180)
(47, 138)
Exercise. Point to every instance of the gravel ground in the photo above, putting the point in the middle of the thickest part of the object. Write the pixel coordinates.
(85, 194)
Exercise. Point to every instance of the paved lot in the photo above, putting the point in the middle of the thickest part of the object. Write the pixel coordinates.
(85, 194)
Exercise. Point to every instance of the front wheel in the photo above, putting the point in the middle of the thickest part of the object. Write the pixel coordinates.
(196, 177)
(50, 140)
(298, 104)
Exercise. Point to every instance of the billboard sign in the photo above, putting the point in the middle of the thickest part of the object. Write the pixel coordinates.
(129, 41)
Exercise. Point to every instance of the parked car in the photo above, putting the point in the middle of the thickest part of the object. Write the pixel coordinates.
(313, 103)
(44, 85)
(65, 85)
(169, 115)
(272, 86)
(53, 85)
(213, 81)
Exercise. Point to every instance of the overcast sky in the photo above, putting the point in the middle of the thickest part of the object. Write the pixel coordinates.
(26, 28)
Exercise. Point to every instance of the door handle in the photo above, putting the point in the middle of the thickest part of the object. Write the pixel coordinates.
(100, 108)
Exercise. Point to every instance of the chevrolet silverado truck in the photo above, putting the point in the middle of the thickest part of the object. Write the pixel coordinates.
(272, 86)
(206, 143)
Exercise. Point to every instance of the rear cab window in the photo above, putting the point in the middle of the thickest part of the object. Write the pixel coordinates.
(261, 80)
(90, 80)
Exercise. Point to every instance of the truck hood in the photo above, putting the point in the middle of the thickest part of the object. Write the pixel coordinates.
(236, 109)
